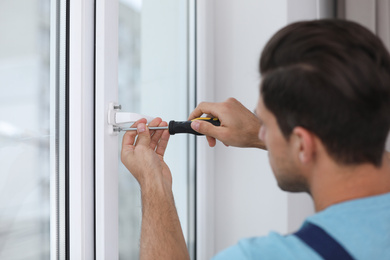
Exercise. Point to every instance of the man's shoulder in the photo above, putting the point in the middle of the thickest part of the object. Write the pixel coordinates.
(273, 246)
(361, 226)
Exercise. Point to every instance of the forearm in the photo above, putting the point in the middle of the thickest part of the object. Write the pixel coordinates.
(142, 154)
(161, 233)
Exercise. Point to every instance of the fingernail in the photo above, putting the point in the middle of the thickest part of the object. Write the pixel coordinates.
(141, 128)
(195, 125)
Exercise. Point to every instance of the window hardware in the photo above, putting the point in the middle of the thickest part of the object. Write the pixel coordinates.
(116, 118)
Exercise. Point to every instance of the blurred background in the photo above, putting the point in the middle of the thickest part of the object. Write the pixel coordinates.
(154, 78)
(25, 129)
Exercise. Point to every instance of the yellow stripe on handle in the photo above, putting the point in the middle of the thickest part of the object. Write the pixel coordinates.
(205, 118)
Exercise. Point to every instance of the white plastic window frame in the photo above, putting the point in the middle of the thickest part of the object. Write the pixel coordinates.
(72, 143)
(106, 164)
(81, 143)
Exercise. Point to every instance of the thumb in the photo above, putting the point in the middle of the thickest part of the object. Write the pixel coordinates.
(204, 128)
(143, 135)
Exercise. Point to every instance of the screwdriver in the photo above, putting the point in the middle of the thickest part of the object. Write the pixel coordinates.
(180, 127)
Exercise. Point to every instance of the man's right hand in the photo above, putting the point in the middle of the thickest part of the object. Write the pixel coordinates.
(239, 126)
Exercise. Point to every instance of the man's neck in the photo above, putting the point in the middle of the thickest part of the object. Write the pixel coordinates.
(331, 183)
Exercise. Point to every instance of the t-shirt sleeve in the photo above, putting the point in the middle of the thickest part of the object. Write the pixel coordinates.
(233, 252)
(271, 247)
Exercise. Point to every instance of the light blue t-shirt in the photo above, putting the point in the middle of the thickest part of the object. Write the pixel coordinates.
(361, 226)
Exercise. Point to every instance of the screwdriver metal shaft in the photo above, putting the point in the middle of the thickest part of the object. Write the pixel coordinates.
(150, 128)
(178, 127)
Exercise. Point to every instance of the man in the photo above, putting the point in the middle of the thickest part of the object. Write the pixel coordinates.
(323, 115)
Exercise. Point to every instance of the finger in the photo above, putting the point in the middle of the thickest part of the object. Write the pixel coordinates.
(204, 108)
(155, 122)
(128, 141)
(142, 120)
(143, 135)
(162, 145)
(129, 136)
(206, 128)
(211, 140)
(197, 112)
(156, 137)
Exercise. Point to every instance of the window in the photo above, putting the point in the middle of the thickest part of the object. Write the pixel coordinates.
(29, 130)
(153, 77)
(65, 193)
(144, 62)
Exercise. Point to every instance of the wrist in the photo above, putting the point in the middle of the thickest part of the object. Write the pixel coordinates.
(255, 140)
(155, 186)
(261, 145)
(257, 143)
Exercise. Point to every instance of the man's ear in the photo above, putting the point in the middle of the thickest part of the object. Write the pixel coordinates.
(304, 144)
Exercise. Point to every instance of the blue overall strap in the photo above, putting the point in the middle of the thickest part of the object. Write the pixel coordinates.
(325, 245)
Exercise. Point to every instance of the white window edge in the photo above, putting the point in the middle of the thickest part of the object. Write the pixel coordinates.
(106, 180)
(81, 128)
(205, 155)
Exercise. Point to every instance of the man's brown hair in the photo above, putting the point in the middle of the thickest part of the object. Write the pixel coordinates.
(331, 77)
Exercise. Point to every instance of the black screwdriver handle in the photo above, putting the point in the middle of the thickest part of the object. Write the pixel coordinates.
(184, 127)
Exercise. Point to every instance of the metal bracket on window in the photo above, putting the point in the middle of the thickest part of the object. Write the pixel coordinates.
(116, 118)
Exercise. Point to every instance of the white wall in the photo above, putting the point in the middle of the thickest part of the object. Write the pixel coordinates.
(247, 201)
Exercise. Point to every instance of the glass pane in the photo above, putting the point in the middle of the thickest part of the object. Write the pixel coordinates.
(25, 129)
(153, 80)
